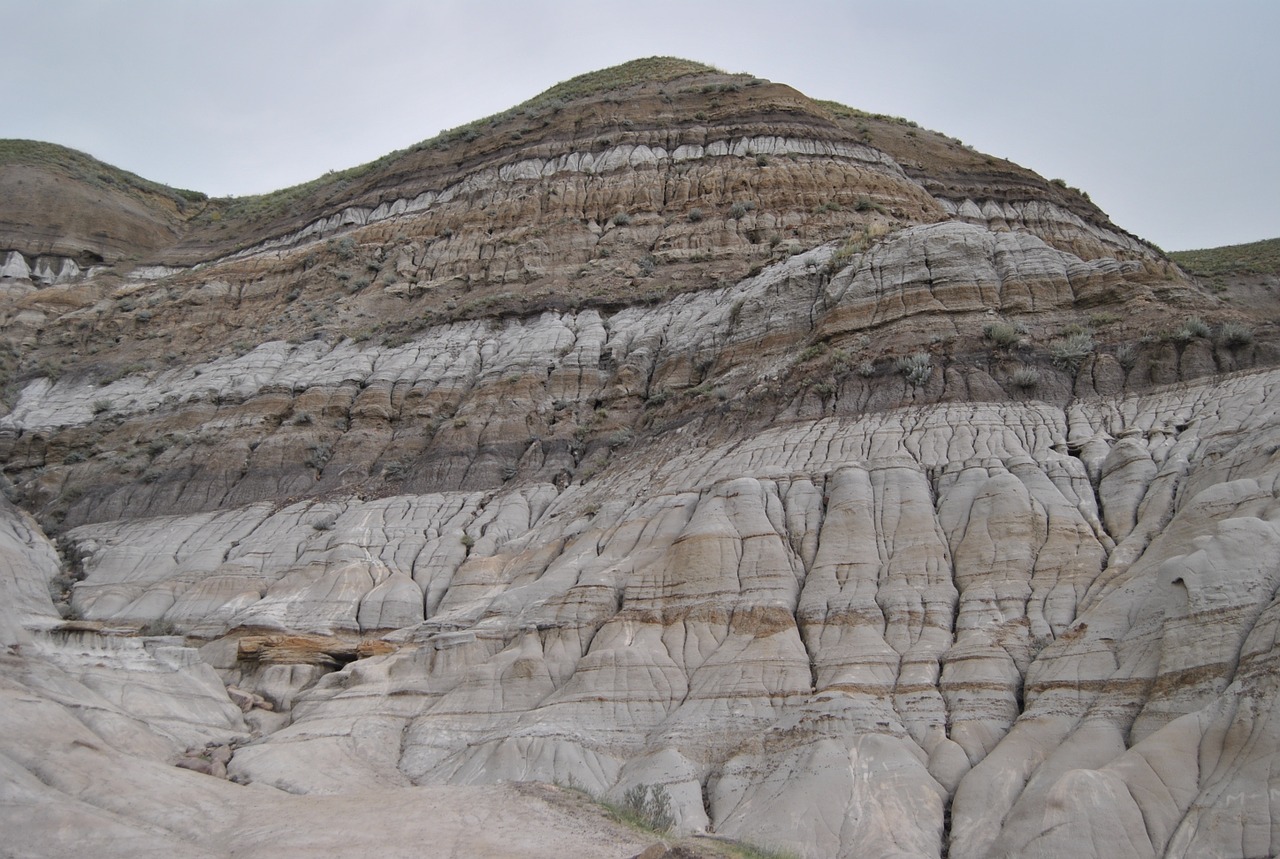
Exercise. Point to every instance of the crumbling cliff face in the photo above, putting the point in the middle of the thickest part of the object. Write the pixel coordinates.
(872, 495)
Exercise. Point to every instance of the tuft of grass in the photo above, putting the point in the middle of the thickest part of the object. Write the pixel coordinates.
(1025, 377)
(647, 806)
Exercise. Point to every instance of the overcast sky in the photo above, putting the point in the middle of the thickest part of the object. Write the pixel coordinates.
(1164, 112)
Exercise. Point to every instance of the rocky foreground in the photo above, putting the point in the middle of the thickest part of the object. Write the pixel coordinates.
(914, 510)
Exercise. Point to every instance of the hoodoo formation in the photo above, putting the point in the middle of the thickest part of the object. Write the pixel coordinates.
(828, 485)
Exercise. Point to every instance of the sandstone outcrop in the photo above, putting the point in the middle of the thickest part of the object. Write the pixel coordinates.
(913, 510)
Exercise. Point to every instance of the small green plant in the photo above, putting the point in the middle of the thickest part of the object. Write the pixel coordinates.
(467, 540)
(917, 368)
(1233, 335)
(695, 216)
(158, 626)
(1069, 352)
(1127, 356)
(1025, 377)
(345, 248)
(621, 219)
(101, 406)
(324, 524)
(812, 351)
(1001, 334)
(737, 211)
(649, 806)
(762, 160)
(1076, 328)
(317, 456)
(1103, 318)
(1191, 329)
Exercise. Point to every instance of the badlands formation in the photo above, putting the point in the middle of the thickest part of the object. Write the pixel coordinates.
(869, 495)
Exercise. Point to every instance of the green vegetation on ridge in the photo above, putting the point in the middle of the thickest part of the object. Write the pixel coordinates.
(647, 70)
(84, 167)
(1254, 258)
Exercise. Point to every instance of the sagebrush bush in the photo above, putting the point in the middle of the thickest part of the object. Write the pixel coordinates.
(1069, 352)
(1233, 335)
(1002, 334)
(917, 368)
(1025, 377)
(1191, 329)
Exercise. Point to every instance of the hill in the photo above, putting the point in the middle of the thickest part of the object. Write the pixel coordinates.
(795, 472)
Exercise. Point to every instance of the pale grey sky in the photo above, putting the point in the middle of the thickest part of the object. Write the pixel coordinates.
(1165, 112)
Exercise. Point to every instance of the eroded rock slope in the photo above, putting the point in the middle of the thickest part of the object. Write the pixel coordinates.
(913, 509)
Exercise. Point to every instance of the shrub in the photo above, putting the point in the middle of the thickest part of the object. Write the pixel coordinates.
(467, 540)
(649, 805)
(621, 219)
(1127, 355)
(158, 626)
(1076, 328)
(762, 161)
(917, 368)
(345, 248)
(1234, 335)
(1070, 351)
(1191, 329)
(1025, 377)
(1001, 333)
(695, 215)
(100, 406)
(317, 456)
(325, 524)
(812, 351)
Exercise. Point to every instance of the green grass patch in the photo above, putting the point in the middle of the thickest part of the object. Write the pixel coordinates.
(85, 168)
(1254, 258)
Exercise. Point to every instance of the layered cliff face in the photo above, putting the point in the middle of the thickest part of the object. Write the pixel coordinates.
(872, 495)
